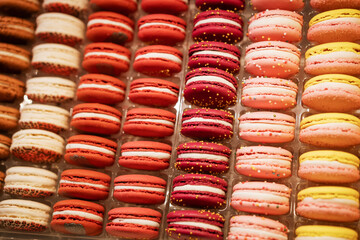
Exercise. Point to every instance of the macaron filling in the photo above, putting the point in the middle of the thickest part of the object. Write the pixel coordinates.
(101, 86)
(217, 20)
(198, 225)
(155, 189)
(153, 154)
(109, 22)
(89, 147)
(207, 120)
(79, 214)
(137, 222)
(207, 156)
(200, 188)
(62, 181)
(156, 89)
(161, 24)
(107, 54)
(157, 121)
(211, 79)
(258, 232)
(14, 55)
(95, 115)
(166, 56)
(216, 53)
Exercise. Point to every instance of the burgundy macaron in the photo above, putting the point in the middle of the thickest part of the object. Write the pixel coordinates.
(210, 87)
(139, 189)
(153, 92)
(96, 118)
(207, 124)
(106, 58)
(216, 55)
(90, 151)
(109, 27)
(149, 122)
(145, 155)
(84, 184)
(199, 190)
(218, 25)
(203, 157)
(158, 60)
(100, 88)
(233, 5)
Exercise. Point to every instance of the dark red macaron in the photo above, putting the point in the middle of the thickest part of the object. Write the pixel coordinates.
(161, 29)
(106, 58)
(139, 189)
(169, 6)
(153, 92)
(145, 155)
(207, 124)
(110, 27)
(216, 55)
(90, 151)
(96, 118)
(203, 157)
(195, 224)
(86, 218)
(199, 190)
(210, 87)
(233, 5)
(149, 122)
(84, 184)
(134, 223)
(218, 25)
(120, 6)
(100, 88)
(158, 60)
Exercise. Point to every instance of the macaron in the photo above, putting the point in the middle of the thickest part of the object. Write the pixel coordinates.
(2, 177)
(120, 6)
(154, 92)
(161, 29)
(275, 25)
(267, 127)
(328, 166)
(325, 232)
(291, 5)
(218, 25)
(30, 182)
(199, 191)
(338, 58)
(145, 155)
(203, 157)
(174, 7)
(323, 5)
(269, 93)
(24, 215)
(56, 59)
(272, 59)
(206, 123)
(340, 25)
(215, 55)
(332, 93)
(149, 122)
(261, 197)
(13, 58)
(109, 27)
(252, 227)
(11, 89)
(77, 217)
(210, 87)
(69, 30)
(74, 8)
(96, 118)
(46, 117)
(329, 203)
(84, 184)
(100, 88)
(334, 130)
(196, 224)
(16, 30)
(106, 58)
(133, 223)
(158, 60)
(264, 162)
(139, 189)
(37, 146)
(22, 8)
(50, 89)
(90, 151)
(5, 143)
(220, 4)
(9, 118)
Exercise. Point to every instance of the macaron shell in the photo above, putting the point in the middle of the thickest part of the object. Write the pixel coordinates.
(233, 5)
(170, 7)
(10, 89)
(324, 5)
(5, 143)
(120, 6)
(291, 5)
(326, 231)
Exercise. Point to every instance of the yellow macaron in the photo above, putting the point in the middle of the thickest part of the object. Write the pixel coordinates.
(329, 192)
(328, 48)
(326, 231)
(330, 155)
(336, 78)
(323, 118)
(334, 14)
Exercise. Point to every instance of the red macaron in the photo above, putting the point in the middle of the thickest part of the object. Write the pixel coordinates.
(96, 118)
(106, 58)
(169, 6)
(149, 122)
(100, 88)
(84, 184)
(120, 6)
(145, 155)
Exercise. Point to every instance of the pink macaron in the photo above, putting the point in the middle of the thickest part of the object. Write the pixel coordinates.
(275, 25)
(267, 127)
